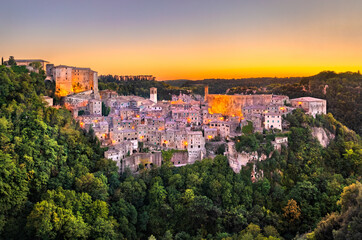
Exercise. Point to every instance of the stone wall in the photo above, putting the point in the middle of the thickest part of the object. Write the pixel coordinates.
(232, 104)
(146, 159)
(180, 158)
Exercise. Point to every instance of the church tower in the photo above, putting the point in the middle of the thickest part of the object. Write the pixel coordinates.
(153, 94)
(206, 92)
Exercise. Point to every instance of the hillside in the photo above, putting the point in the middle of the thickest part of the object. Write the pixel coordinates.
(55, 183)
(139, 87)
(341, 90)
(220, 86)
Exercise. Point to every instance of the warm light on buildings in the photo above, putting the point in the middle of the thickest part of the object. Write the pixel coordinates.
(177, 102)
(282, 108)
(186, 143)
(299, 103)
(223, 104)
(209, 137)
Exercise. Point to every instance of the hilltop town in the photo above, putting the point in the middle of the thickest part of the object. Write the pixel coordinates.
(136, 129)
(260, 153)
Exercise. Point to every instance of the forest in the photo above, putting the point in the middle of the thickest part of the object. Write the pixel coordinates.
(55, 183)
(140, 87)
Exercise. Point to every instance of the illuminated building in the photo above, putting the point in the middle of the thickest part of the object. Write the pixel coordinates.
(69, 80)
(310, 105)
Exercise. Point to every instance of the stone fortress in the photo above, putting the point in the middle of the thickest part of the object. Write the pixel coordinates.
(71, 80)
(68, 80)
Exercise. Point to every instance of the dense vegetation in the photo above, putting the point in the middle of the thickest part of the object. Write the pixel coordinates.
(220, 86)
(342, 92)
(140, 87)
(55, 183)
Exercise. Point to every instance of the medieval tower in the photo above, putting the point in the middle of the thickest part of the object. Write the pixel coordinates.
(206, 92)
(153, 94)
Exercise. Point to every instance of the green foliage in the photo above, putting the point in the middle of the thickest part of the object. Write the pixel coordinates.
(348, 223)
(248, 129)
(11, 61)
(105, 110)
(140, 87)
(55, 183)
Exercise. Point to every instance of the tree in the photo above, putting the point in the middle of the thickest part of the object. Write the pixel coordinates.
(11, 61)
(47, 221)
(93, 186)
(105, 110)
(291, 211)
(157, 194)
(36, 65)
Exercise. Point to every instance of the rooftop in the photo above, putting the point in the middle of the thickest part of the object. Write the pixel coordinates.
(76, 68)
(308, 99)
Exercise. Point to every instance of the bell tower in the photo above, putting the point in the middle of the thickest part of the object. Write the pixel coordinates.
(206, 92)
(153, 94)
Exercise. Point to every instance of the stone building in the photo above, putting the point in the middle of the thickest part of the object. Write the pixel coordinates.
(95, 106)
(279, 142)
(273, 121)
(69, 80)
(310, 105)
(153, 94)
(195, 145)
(28, 63)
(210, 133)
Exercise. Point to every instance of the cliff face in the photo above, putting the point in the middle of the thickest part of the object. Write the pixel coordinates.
(324, 136)
(237, 160)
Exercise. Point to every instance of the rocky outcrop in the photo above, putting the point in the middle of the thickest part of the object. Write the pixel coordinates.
(237, 160)
(324, 136)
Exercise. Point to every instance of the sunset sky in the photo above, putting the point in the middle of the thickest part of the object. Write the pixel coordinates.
(187, 39)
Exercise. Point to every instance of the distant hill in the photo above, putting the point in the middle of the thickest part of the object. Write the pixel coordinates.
(220, 86)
